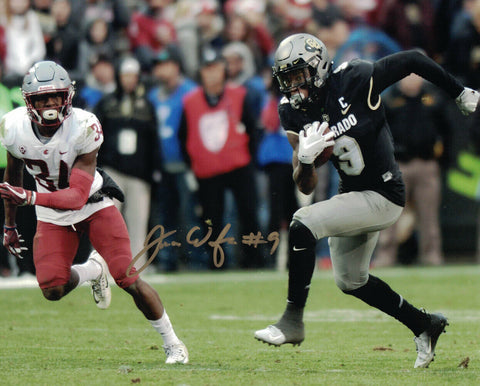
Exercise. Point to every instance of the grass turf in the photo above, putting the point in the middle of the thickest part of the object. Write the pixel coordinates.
(71, 342)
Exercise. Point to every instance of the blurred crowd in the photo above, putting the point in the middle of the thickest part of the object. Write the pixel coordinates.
(134, 61)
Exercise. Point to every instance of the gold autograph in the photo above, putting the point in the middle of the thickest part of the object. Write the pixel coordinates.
(218, 253)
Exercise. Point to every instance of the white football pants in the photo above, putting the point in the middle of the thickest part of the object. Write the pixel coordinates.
(352, 221)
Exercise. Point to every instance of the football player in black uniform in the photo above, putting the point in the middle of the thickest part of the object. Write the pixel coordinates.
(371, 194)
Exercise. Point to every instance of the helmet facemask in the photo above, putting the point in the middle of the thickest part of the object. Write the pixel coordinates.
(49, 116)
(292, 82)
(44, 82)
(301, 62)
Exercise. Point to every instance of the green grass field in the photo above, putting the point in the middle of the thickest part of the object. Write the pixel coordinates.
(71, 342)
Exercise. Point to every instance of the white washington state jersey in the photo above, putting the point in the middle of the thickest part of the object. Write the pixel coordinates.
(51, 163)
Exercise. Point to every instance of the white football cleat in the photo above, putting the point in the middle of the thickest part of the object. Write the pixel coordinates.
(101, 291)
(271, 335)
(427, 340)
(176, 353)
(282, 333)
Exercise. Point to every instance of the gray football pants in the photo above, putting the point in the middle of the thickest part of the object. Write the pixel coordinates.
(352, 221)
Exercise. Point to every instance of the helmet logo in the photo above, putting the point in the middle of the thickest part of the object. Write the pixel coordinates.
(311, 45)
(47, 87)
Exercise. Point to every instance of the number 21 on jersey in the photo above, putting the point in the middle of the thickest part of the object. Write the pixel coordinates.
(44, 178)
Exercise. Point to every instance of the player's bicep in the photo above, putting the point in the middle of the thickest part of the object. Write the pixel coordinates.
(87, 162)
(14, 170)
(293, 140)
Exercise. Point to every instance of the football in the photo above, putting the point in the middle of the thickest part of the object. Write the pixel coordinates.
(325, 155)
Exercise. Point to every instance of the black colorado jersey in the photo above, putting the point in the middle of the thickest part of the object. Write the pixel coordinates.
(363, 152)
(351, 103)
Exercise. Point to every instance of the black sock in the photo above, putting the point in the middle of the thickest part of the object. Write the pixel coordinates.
(378, 294)
(292, 313)
(301, 256)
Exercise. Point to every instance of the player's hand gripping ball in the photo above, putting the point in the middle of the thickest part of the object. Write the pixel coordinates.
(315, 144)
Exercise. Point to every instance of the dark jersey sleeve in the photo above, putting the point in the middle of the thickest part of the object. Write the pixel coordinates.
(287, 116)
(393, 68)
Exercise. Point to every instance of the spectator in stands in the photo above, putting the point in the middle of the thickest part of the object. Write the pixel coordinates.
(149, 32)
(330, 26)
(100, 81)
(291, 15)
(446, 14)
(115, 13)
(461, 57)
(419, 145)
(129, 151)
(174, 199)
(275, 158)
(217, 136)
(24, 40)
(410, 23)
(183, 15)
(366, 43)
(63, 44)
(246, 23)
(210, 25)
(241, 70)
(43, 9)
(98, 41)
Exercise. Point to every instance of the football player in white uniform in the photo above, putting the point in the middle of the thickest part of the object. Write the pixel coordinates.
(58, 145)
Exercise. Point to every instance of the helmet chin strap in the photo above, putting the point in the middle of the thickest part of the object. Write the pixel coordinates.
(296, 99)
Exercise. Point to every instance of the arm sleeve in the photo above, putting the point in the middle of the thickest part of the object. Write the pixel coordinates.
(72, 198)
(393, 68)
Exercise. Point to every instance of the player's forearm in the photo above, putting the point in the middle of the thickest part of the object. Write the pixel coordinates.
(305, 177)
(393, 68)
(72, 198)
(66, 199)
(10, 214)
(13, 175)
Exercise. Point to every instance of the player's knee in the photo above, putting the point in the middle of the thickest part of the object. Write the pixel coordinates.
(347, 284)
(300, 236)
(123, 276)
(134, 288)
(53, 293)
(342, 284)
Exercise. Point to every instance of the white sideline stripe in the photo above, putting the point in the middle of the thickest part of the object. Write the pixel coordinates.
(259, 276)
(350, 315)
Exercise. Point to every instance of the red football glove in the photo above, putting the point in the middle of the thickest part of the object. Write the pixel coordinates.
(13, 241)
(17, 195)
